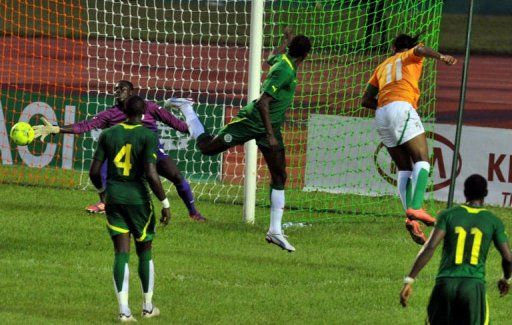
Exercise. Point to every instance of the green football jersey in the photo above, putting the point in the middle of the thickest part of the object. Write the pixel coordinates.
(280, 83)
(127, 147)
(469, 233)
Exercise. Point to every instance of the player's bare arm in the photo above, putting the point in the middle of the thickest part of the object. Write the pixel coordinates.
(424, 256)
(427, 52)
(287, 38)
(264, 108)
(370, 97)
(156, 186)
(506, 265)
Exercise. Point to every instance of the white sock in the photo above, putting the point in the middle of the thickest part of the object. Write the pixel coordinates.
(276, 210)
(148, 296)
(416, 171)
(403, 177)
(122, 296)
(195, 127)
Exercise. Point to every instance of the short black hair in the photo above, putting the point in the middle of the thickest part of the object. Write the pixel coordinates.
(125, 84)
(475, 187)
(134, 106)
(405, 42)
(299, 46)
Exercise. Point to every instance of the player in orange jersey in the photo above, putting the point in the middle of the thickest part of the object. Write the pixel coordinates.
(393, 92)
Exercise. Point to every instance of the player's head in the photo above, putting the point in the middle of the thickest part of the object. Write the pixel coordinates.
(299, 47)
(122, 90)
(475, 187)
(404, 42)
(134, 106)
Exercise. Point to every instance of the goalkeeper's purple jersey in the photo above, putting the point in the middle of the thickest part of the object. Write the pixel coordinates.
(114, 116)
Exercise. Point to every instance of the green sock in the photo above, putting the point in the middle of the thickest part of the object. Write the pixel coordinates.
(120, 263)
(419, 189)
(145, 269)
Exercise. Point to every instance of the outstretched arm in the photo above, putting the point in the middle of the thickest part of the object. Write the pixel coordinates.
(426, 52)
(99, 121)
(422, 259)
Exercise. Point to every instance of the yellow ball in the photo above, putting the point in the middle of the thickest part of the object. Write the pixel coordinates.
(22, 133)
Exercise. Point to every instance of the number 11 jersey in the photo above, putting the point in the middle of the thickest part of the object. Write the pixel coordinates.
(397, 78)
(469, 233)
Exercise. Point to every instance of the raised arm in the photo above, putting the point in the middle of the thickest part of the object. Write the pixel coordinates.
(426, 52)
(424, 256)
(287, 38)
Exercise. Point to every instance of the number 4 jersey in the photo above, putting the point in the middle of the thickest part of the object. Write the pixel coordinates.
(469, 233)
(127, 147)
(397, 78)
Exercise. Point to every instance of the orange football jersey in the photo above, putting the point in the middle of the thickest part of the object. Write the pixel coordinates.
(397, 78)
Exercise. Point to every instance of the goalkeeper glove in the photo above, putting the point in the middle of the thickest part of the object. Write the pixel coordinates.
(45, 129)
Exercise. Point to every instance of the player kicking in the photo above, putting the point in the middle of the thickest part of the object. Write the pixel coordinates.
(393, 91)
(165, 165)
(131, 152)
(468, 231)
(261, 120)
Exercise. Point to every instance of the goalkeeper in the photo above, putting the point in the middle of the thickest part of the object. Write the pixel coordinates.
(165, 166)
(261, 120)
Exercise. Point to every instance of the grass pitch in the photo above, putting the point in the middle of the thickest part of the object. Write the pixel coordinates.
(56, 260)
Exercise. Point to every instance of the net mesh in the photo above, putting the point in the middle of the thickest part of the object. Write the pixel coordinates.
(66, 58)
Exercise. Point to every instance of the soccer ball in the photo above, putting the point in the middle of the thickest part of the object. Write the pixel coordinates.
(22, 133)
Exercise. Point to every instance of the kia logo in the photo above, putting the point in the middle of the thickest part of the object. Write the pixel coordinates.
(437, 161)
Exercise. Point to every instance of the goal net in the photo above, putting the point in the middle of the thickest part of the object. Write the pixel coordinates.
(64, 59)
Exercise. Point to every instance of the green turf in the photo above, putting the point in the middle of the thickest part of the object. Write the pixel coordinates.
(55, 263)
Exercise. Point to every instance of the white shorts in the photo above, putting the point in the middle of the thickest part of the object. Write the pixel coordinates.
(397, 123)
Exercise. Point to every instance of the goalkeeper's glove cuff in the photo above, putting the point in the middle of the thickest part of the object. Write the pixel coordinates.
(55, 129)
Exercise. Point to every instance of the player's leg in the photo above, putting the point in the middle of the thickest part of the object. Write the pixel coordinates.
(100, 206)
(207, 144)
(414, 141)
(418, 151)
(276, 163)
(141, 221)
(167, 168)
(404, 171)
(390, 121)
(147, 278)
(120, 235)
(403, 163)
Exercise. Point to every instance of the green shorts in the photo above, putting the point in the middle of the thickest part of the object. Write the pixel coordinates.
(458, 301)
(242, 129)
(137, 219)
